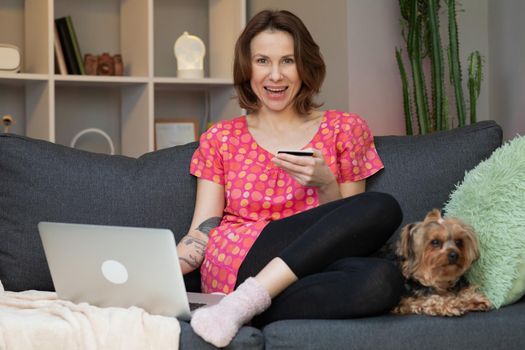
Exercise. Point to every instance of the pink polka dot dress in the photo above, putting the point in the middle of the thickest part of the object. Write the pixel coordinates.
(257, 191)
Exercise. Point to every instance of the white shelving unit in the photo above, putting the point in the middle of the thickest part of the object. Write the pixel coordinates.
(55, 107)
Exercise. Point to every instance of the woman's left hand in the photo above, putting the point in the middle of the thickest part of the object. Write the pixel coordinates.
(308, 171)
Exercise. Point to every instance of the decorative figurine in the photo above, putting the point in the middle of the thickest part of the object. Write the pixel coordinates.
(118, 64)
(7, 121)
(90, 64)
(105, 65)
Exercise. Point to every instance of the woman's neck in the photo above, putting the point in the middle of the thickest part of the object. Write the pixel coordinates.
(276, 131)
(280, 121)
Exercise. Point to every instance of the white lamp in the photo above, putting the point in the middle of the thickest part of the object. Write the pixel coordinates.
(189, 51)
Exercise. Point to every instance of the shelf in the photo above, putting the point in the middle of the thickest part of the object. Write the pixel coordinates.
(177, 83)
(93, 80)
(55, 107)
(23, 76)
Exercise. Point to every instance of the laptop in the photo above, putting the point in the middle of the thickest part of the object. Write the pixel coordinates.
(119, 266)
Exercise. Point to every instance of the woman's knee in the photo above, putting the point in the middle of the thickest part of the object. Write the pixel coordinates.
(382, 202)
(383, 208)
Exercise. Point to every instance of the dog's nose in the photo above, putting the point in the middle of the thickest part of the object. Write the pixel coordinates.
(452, 257)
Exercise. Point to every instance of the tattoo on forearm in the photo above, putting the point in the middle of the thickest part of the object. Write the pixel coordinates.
(198, 244)
(207, 225)
(193, 263)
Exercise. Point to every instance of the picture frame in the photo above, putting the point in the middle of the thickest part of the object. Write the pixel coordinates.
(175, 132)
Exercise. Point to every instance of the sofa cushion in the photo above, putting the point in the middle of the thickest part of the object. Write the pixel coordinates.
(491, 199)
(248, 338)
(421, 171)
(43, 181)
(476, 330)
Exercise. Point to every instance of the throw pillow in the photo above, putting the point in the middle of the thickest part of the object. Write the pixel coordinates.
(43, 181)
(492, 200)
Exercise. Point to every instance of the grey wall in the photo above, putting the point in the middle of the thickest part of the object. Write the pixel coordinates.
(507, 74)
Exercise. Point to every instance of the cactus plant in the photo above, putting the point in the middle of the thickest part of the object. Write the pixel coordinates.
(475, 76)
(454, 63)
(420, 29)
(406, 98)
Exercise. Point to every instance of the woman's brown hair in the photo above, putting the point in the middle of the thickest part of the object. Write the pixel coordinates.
(310, 64)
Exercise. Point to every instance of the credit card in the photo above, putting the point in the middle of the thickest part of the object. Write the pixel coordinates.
(297, 152)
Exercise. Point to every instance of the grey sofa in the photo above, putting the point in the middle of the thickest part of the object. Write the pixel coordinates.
(41, 181)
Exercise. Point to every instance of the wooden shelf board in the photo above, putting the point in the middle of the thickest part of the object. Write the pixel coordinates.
(22, 78)
(95, 80)
(201, 81)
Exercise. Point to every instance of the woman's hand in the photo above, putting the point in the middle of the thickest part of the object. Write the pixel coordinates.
(306, 170)
(312, 172)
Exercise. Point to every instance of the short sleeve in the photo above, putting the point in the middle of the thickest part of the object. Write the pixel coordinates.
(356, 151)
(207, 161)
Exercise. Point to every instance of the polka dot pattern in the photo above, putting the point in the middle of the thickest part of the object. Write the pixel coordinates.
(258, 192)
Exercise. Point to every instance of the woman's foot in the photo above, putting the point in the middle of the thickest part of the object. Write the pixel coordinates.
(218, 324)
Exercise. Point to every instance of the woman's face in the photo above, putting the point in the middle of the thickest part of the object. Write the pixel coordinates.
(275, 79)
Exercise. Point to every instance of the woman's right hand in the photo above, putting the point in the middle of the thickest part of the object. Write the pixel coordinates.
(209, 207)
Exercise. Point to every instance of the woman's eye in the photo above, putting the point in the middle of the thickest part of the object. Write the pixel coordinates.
(288, 60)
(261, 60)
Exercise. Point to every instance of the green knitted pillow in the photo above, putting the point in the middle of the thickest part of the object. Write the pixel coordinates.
(491, 199)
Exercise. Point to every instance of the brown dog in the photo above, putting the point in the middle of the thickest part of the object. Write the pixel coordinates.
(434, 256)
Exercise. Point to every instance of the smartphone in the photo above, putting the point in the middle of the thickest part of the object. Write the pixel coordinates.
(297, 152)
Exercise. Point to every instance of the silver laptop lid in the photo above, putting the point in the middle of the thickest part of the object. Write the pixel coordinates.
(116, 266)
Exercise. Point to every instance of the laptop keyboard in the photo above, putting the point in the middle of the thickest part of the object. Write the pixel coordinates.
(195, 306)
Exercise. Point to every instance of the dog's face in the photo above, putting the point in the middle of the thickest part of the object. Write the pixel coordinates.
(437, 251)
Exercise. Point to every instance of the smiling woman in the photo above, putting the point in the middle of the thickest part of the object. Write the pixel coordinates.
(298, 49)
(293, 230)
(275, 80)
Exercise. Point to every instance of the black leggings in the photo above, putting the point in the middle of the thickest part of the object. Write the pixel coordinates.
(327, 248)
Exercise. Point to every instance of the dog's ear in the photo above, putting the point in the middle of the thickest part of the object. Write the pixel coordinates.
(405, 250)
(404, 246)
(434, 215)
(472, 247)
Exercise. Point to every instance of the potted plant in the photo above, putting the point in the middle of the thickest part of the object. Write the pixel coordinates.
(424, 112)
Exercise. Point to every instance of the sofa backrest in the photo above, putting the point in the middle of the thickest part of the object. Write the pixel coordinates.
(421, 171)
(42, 181)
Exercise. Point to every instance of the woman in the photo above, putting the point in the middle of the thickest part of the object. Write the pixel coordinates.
(288, 230)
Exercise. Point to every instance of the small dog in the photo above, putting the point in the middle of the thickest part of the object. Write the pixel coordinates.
(434, 255)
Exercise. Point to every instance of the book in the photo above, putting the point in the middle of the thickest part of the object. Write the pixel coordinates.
(78, 53)
(67, 46)
(59, 55)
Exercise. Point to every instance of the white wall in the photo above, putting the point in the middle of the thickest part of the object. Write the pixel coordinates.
(374, 89)
(359, 49)
(507, 74)
(374, 83)
(474, 35)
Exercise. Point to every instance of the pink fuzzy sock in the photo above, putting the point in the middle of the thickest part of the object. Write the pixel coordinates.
(218, 324)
